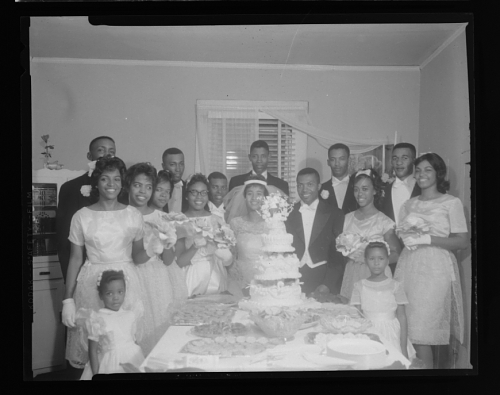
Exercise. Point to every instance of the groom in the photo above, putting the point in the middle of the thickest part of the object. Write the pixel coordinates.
(315, 225)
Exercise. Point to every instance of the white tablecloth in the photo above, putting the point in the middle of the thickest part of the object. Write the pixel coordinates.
(290, 356)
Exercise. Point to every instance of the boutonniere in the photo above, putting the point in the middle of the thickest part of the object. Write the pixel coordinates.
(91, 167)
(325, 194)
(386, 178)
(85, 190)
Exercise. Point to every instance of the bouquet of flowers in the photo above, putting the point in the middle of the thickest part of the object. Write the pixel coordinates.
(165, 233)
(224, 237)
(413, 225)
(275, 207)
(348, 242)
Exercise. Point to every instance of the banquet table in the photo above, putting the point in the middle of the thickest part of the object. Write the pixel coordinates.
(295, 355)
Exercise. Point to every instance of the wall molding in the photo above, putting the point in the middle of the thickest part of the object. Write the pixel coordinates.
(221, 65)
(440, 49)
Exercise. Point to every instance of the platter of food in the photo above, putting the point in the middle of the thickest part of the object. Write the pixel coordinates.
(192, 313)
(216, 329)
(322, 338)
(230, 346)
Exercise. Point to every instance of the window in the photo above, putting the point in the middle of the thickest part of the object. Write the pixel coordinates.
(225, 135)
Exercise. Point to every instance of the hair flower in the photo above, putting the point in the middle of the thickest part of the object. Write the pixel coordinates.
(325, 194)
(85, 190)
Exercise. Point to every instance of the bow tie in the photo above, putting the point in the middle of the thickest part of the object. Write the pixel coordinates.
(304, 208)
(399, 183)
(336, 182)
(91, 167)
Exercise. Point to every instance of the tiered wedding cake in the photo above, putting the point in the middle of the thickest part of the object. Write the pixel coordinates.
(277, 281)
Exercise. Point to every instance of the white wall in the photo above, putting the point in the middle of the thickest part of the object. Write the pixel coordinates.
(150, 108)
(444, 129)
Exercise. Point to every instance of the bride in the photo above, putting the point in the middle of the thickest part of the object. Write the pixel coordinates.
(242, 213)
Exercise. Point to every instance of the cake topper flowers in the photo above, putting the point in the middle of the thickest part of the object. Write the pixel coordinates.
(275, 207)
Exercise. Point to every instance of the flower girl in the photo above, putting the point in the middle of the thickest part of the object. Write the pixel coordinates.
(203, 261)
(110, 330)
(382, 300)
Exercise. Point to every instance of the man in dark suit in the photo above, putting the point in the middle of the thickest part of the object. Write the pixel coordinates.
(71, 199)
(339, 191)
(217, 189)
(315, 225)
(404, 186)
(259, 156)
(173, 161)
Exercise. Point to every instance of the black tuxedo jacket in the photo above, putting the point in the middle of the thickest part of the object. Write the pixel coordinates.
(328, 224)
(387, 207)
(185, 203)
(350, 203)
(70, 201)
(271, 180)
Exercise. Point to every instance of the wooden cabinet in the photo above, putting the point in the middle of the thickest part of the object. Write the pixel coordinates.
(48, 332)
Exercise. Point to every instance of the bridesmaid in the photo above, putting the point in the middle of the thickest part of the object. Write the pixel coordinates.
(371, 224)
(429, 270)
(110, 233)
(205, 272)
(157, 285)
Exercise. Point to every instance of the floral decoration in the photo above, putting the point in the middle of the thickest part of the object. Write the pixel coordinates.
(325, 194)
(413, 225)
(275, 207)
(85, 190)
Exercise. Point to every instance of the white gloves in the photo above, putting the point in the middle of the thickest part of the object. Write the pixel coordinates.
(224, 254)
(154, 247)
(358, 255)
(411, 242)
(199, 241)
(69, 312)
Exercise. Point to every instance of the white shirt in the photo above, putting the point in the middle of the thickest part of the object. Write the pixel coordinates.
(340, 188)
(219, 211)
(308, 213)
(175, 202)
(401, 192)
(264, 174)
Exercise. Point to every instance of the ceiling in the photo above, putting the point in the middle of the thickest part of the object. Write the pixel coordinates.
(323, 44)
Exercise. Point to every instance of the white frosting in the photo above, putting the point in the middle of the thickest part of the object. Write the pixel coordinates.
(276, 267)
(278, 242)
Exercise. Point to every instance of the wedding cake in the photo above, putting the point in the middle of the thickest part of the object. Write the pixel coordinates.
(276, 283)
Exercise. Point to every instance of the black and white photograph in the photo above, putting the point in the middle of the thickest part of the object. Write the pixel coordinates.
(240, 198)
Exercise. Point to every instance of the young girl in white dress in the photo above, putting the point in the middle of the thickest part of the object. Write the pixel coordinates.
(382, 300)
(161, 279)
(205, 266)
(427, 267)
(110, 330)
(371, 224)
(110, 234)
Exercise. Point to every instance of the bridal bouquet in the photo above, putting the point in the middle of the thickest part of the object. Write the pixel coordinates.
(347, 243)
(413, 225)
(275, 207)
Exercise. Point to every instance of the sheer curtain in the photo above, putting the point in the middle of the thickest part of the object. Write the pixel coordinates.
(216, 116)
